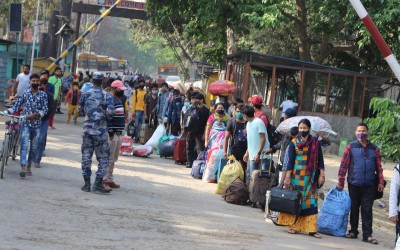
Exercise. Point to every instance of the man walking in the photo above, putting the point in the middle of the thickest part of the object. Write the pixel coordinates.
(361, 159)
(98, 107)
(44, 125)
(138, 108)
(34, 103)
(56, 81)
(257, 142)
(115, 127)
(22, 81)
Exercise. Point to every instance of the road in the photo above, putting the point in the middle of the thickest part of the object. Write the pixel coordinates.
(159, 206)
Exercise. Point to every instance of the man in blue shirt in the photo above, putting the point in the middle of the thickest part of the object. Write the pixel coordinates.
(35, 108)
(98, 108)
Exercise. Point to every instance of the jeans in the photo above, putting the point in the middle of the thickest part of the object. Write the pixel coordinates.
(139, 120)
(251, 166)
(27, 134)
(364, 197)
(41, 141)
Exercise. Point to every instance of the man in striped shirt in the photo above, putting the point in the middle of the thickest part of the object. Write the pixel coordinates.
(115, 127)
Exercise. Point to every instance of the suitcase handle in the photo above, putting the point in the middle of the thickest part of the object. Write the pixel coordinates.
(270, 164)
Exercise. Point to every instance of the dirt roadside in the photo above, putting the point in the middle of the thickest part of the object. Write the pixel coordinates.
(159, 206)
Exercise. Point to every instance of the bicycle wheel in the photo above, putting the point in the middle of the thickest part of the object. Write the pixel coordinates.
(4, 153)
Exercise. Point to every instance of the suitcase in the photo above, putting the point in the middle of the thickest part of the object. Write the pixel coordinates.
(180, 151)
(260, 182)
(146, 131)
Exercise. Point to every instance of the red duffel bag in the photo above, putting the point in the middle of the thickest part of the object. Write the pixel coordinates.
(222, 87)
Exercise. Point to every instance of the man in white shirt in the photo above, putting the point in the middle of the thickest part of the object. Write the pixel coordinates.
(22, 82)
(257, 142)
(288, 104)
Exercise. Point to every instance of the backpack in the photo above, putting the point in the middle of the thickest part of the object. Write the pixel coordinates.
(192, 120)
(273, 136)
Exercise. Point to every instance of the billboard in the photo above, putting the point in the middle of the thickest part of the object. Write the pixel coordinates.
(138, 5)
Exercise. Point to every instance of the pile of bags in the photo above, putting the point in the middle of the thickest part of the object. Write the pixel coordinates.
(319, 127)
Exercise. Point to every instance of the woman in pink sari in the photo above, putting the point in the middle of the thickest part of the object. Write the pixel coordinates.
(215, 129)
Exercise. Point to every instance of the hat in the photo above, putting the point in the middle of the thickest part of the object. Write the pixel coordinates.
(256, 99)
(290, 112)
(97, 76)
(118, 84)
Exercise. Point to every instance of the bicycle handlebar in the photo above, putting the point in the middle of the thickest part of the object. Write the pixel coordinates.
(14, 116)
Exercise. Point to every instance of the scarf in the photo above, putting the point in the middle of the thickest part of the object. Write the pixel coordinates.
(312, 144)
(225, 118)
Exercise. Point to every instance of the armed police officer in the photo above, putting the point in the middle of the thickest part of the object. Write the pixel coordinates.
(98, 107)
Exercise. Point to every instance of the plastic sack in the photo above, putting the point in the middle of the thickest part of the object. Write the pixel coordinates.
(142, 151)
(198, 169)
(210, 172)
(162, 139)
(230, 173)
(222, 87)
(166, 148)
(334, 214)
(126, 146)
(155, 138)
(319, 126)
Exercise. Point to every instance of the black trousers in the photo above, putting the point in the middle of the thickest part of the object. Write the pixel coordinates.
(194, 142)
(361, 197)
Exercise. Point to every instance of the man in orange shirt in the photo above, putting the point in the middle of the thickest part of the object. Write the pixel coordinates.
(72, 98)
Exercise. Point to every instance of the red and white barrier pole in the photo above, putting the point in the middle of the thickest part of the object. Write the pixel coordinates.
(376, 35)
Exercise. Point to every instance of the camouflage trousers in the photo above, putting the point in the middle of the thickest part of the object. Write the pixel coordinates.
(97, 144)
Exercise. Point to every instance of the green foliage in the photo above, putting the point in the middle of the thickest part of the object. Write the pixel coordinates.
(384, 128)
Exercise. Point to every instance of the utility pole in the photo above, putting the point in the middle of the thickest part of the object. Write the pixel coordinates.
(35, 31)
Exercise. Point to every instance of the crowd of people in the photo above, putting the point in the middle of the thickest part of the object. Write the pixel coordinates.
(239, 129)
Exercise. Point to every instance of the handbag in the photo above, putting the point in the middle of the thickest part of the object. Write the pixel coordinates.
(286, 201)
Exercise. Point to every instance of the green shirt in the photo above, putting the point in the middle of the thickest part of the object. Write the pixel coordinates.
(57, 85)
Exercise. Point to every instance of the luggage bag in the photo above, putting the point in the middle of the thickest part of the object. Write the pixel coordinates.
(180, 151)
(146, 131)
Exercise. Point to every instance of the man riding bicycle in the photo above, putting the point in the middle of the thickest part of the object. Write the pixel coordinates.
(35, 107)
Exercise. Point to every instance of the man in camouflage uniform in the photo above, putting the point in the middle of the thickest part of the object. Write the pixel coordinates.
(98, 107)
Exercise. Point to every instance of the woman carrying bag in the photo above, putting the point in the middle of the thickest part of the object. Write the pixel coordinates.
(303, 168)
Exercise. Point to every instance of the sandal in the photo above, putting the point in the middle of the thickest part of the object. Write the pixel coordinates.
(371, 240)
(315, 235)
(351, 236)
(291, 231)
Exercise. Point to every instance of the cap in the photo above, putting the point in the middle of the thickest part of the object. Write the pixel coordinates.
(256, 99)
(290, 112)
(118, 84)
(97, 76)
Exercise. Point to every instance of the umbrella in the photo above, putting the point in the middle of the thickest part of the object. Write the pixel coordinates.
(224, 87)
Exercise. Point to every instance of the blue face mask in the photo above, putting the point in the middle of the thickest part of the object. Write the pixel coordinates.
(187, 104)
(239, 115)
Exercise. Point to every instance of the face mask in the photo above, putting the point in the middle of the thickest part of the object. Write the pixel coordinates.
(196, 103)
(220, 112)
(187, 104)
(164, 89)
(362, 136)
(119, 93)
(304, 133)
(141, 86)
(35, 85)
(239, 115)
(154, 92)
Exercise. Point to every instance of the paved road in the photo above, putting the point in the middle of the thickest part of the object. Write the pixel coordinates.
(159, 206)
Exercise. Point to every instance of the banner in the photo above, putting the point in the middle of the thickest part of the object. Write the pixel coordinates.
(124, 4)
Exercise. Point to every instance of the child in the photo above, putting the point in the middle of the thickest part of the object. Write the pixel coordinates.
(72, 98)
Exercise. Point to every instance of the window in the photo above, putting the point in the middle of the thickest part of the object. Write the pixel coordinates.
(314, 92)
(340, 94)
(358, 96)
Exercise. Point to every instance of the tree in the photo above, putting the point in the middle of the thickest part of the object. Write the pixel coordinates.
(384, 127)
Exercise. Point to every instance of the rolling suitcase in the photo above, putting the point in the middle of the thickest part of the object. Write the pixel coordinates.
(180, 151)
(260, 182)
(146, 131)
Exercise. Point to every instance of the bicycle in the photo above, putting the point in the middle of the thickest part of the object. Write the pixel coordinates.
(11, 141)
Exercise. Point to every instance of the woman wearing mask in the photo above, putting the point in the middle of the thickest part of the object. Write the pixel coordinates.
(303, 168)
(215, 129)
